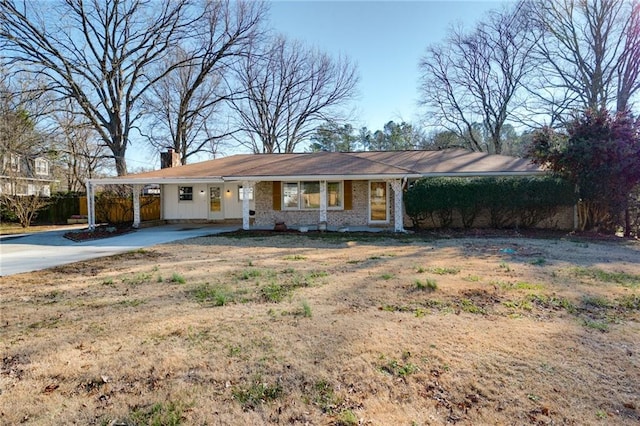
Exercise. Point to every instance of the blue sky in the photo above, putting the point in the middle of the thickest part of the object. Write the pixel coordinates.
(384, 38)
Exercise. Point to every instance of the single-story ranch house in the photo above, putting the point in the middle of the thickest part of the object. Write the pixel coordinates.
(334, 189)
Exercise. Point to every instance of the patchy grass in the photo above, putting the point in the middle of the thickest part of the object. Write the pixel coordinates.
(217, 295)
(177, 278)
(428, 285)
(306, 309)
(518, 285)
(295, 257)
(345, 336)
(439, 270)
(623, 278)
(322, 395)
(397, 368)
(165, 414)
(256, 393)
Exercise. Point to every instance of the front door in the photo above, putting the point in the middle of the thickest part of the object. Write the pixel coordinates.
(378, 203)
(215, 203)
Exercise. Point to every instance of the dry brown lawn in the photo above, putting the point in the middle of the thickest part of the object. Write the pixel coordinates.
(342, 330)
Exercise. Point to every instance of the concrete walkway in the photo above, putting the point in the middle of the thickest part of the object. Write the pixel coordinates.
(33, 252)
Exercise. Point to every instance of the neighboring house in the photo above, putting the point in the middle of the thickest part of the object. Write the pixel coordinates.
(339, 189)
(22, 175)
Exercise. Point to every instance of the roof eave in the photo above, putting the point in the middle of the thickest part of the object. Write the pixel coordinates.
(222, 179)
(384, 176)
(318, 177)
(486, 174)
(158, 180)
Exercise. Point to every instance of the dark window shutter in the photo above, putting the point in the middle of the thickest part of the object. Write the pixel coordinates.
(277, 196)
(348, 194)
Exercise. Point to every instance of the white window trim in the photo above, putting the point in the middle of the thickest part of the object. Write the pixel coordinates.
(298, 208)
(180, 200)
(387, 196)
(14, 163)
(42, 161)
(341, 191)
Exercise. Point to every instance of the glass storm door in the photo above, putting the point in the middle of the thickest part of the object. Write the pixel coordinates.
(215, 203)
(378, 203)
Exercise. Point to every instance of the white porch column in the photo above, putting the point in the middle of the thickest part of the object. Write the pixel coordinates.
(398, 222)
(91, 211)
(245, 204)
(323, 201)
(136, 205)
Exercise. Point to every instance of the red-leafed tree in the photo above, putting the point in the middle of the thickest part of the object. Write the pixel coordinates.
(600, 154)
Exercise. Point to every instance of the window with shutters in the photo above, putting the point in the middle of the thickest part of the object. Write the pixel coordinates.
(305, 195)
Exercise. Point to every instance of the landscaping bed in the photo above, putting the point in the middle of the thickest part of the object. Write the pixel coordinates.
(98, 233)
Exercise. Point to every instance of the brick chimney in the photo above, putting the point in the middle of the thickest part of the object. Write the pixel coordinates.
(170, 158)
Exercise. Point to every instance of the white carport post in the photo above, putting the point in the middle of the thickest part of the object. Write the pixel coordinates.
(323, 201)
(398, 214)
(91, 206)
(245, 204)
(136, 205)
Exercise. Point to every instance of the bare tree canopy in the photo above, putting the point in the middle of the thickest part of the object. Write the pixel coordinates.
(78, 149)
(289, 90)
(97, 53)
(22, 107)
(590, 53)
(185, 102)
(470, 84)
(20, 144)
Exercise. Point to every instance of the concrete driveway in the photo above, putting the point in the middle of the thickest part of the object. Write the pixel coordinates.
(43, 250)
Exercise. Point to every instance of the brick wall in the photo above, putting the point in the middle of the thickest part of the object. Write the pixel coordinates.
(267, 217)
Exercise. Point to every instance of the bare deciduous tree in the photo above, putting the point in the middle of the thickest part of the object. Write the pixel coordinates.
(20, 143)
(590, 53)
(629, 67)
(184, 103)
(289, 90)
(79, 149)
(472, 81)
(97, 53)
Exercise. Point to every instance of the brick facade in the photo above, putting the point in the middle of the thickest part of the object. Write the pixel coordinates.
(358, 216)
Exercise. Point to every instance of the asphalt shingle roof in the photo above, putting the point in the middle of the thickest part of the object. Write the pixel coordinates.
(348, 164)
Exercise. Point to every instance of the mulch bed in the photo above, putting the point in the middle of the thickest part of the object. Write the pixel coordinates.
(98, 233)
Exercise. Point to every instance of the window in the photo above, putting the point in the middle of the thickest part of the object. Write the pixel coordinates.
(185, 193)
(22, 189)
(310, 195)
(13, 162)
(241, 193)
(334, 195)
(42, 166)
(306, 195)
(290, 194)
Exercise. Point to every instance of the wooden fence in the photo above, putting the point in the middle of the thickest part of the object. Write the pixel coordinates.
(120, 210)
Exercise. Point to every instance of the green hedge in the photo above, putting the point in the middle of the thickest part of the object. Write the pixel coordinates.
(509, 202)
